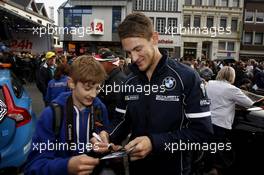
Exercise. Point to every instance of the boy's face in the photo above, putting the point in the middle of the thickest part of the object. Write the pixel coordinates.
(83, 94)
(141, 51)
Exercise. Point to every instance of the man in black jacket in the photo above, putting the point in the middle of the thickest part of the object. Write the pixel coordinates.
(164, 105)
(115, 79)
(45, 73)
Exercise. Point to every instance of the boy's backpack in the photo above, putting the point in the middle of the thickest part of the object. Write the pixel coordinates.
(58, 115)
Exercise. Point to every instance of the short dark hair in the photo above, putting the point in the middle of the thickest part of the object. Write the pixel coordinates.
(136, 25)
(62, 69)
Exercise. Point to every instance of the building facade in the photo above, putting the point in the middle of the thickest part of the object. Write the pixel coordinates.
(21, 21)
(166, 16)
(93, 23)
(252, 44)
(211, 29)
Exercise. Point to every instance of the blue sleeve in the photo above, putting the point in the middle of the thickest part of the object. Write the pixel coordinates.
(44, 161)
(48, 94)
(198, 126)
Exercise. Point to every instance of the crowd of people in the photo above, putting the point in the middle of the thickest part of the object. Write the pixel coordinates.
(195, 104)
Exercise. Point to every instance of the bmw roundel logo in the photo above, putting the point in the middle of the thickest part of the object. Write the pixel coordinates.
(169, 83)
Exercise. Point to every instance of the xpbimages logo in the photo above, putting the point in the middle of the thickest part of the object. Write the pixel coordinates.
(190, 146)
(211, 31)
(126, 88)
(59, 146)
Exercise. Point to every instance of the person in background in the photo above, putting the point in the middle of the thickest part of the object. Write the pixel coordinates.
(46, 73)
(116, 77)
(224, 96)
(59, 84)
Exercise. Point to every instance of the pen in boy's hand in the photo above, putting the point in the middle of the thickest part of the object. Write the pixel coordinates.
(100, 140)
(97, 137)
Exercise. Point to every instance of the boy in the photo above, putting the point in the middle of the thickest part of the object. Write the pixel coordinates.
(82, 111)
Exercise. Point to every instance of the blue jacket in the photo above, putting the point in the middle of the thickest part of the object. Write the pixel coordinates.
(170, 108)
(54, 160)
(55, 87)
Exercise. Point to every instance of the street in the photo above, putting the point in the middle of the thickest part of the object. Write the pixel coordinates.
(37, 102)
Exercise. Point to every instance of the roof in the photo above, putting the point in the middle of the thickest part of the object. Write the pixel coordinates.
(63, 4)
(39, 5)
(24, 3)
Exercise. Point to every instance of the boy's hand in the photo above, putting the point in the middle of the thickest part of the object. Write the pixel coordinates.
(82, 164)
(140, 147)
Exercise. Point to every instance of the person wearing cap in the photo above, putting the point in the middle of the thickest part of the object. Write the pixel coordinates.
(116, 77)
(45, 73)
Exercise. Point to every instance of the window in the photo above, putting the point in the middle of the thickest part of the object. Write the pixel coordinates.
(54, 41)
(138, 5)
(223, 22)
(187, 21)
(230, 46)
(172, 5)
(211, 2)
(197, 21)
(249, 16)
(188, 2)
(260, 17)
(77, 20)
(116, 13)
(149, 5)
(235, 3)
(224, 3)
(146, 5)
(258, 38)
(210, 21)
(160, 25)
(248, 38)
(161, 5)
(58, 42)
(221, 45)
(68, 20)
(172, 22)
(77, 10)
(73, 16)
(234, 25)
(198, 2)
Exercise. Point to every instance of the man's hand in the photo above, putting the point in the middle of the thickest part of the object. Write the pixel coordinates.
(82, 164)
(140, 147)
(103, 146)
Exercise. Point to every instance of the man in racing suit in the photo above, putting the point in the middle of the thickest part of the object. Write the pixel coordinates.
(164, 104)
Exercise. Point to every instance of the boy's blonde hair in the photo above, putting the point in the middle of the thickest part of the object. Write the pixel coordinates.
(227, 73)
(86, 69)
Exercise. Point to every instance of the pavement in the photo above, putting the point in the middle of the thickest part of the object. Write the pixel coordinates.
(34, 93)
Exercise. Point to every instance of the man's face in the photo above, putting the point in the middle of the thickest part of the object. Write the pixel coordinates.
(51, 61)
(141, 51)
(84, 94)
